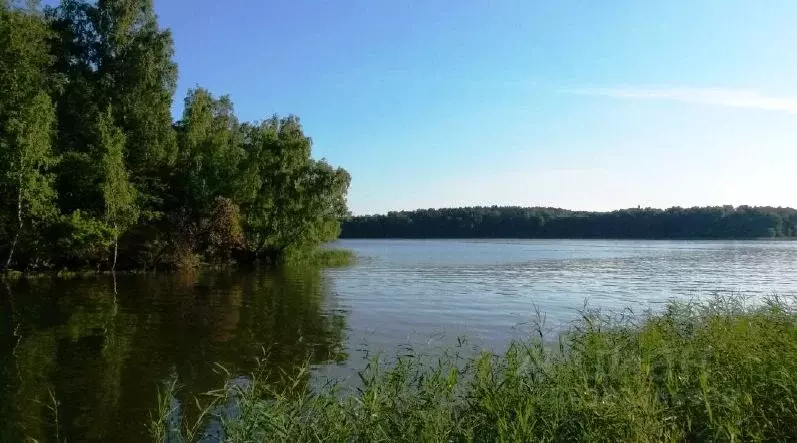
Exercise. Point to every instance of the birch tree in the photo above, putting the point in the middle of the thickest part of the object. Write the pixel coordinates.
(118, 193)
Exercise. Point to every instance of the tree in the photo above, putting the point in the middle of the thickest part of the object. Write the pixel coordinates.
(290, 200)
(209, 151)
(139, 76)
(119, 195)
(28, 158)
(90, 157)
(113, 53)
(26, 121)
(320, 206)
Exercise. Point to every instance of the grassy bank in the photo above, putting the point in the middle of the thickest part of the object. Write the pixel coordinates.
(715, 371)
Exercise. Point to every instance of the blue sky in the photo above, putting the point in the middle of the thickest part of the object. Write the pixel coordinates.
(582, 105)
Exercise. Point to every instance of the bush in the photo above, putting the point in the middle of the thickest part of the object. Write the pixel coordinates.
(82, 241)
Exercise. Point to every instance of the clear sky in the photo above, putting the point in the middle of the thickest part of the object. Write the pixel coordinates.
(575, 104)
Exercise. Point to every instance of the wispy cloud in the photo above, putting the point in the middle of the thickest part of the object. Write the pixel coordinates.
(735, 98)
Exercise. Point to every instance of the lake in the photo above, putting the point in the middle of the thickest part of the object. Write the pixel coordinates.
(96, 350)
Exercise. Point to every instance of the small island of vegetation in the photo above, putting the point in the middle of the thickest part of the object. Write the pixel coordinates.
(94, 174)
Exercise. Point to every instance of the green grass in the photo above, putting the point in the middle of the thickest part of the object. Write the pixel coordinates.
(334, 257)
(721, 370)
(322, 257)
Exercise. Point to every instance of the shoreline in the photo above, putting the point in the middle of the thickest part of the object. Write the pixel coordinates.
(322, 257)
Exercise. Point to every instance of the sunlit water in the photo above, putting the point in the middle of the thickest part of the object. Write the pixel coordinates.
(102, 347)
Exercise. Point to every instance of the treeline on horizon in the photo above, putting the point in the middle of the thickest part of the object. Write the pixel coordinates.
(94, 173)
(713, 222)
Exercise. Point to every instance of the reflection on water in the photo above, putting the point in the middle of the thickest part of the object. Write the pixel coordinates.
(102, 354)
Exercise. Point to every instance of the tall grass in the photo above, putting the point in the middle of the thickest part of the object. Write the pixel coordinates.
(321, 257)
(720, 370)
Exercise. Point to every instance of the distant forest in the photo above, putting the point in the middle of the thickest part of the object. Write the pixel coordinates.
(714, 222)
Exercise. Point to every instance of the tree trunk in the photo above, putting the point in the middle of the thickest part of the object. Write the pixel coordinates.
(115, 247)
(19, 229)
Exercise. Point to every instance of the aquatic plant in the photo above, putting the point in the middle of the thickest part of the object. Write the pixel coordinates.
(717, 370)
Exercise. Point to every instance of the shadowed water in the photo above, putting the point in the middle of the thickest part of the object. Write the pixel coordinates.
(104, 354)
(102, 347)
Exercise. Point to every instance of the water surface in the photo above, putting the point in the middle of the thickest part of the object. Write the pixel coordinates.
(102, 347)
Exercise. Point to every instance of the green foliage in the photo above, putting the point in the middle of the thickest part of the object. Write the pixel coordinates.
(25, 56)
(321, 257)
(121, 210)
(112, 53)
(204, 189)
(209, 150)
(29, 157)
(254, 181)
(226, 230)
(118, 193)
(290, 200)
(516, 222)
(715, 371)
(82, 240)
(26, 122)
